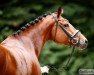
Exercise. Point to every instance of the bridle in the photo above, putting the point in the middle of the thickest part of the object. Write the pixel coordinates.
(71, 37)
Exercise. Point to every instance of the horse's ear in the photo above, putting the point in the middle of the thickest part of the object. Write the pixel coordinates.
(59, 12)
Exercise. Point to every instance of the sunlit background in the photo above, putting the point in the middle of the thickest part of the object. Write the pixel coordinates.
(80, 13)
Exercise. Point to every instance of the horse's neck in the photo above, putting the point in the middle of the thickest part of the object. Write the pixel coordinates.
(2, 59)
(5, 59)
(39, 33)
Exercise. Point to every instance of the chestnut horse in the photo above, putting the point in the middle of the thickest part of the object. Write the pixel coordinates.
(19, 52)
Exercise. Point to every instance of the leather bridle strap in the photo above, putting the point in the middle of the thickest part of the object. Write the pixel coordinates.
(68, 34)
(76, 32)
(63, 28)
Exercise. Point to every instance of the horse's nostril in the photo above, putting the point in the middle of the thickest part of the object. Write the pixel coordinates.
(86, 41)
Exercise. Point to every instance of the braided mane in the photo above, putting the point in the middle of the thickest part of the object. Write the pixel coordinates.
(31, 23)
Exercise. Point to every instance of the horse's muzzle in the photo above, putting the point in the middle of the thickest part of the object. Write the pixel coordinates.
(79, 43)
(83, 45)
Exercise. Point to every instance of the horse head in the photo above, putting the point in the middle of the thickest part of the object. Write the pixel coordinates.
(64, 33)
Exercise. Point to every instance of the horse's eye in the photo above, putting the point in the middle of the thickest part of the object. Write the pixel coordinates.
(66, 25)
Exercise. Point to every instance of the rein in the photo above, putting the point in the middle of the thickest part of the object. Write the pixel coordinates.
(52, 68)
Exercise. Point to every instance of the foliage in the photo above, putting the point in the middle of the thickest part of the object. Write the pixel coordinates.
(16, 13)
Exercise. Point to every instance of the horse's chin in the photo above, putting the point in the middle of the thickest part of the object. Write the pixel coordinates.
(82, 46)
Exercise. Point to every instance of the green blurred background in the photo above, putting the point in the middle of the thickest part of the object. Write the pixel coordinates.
(80, 13)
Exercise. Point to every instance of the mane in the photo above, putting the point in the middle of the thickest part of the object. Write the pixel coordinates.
(31, 23)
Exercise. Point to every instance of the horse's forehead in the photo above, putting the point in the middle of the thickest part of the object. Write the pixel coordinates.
(64, 20)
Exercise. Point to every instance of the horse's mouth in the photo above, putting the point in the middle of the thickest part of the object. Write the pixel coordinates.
(82, 46)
